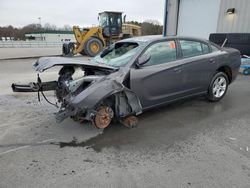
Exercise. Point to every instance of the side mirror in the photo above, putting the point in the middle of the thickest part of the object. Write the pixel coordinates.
(143, 59)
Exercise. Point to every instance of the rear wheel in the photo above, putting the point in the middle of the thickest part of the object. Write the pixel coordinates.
(93, 46)
(218, 87)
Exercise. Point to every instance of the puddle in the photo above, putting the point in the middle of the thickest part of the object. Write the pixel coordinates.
(146, 134)
(160, 128)
(109, 138)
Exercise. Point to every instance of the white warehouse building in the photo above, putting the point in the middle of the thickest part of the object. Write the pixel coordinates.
(51, 36)
(199, 18)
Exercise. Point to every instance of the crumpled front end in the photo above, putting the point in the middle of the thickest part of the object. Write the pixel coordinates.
(124, 101)
(97, 95)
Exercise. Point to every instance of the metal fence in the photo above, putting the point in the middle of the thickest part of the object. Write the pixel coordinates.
(29, 44)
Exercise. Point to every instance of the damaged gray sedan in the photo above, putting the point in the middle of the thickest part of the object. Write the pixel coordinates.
(136, 74)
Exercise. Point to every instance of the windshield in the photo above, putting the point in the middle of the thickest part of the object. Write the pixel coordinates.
(103, 20)
(117, 55)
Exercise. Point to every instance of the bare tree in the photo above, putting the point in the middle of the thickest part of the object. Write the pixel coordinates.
(18, 33)
(67, 27)
(154, 22)
(47, 26)
(149, 27)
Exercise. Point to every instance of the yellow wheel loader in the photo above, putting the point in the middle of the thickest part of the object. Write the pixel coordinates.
(91, 41)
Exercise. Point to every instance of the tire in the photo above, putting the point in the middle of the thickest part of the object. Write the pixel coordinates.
(65, 49)
(71, 48)
(68, 48)
(218, 87)
(93, 46)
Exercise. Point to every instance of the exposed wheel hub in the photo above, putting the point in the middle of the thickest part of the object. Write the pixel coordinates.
(103, 117)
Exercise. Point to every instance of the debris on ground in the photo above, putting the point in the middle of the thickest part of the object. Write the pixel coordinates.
(130, 121)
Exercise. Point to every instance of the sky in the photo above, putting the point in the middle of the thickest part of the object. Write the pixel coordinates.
(19, 13)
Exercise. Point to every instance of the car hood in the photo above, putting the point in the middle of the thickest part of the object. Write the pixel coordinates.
(45, 63)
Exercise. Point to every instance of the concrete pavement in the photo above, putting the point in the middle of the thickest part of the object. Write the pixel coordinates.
(192, 143)
(12, 53)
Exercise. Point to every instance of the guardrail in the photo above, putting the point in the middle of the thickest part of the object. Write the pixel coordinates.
(29, 44)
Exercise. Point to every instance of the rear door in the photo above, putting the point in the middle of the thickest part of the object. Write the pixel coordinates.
(199, 65)
(160, 79)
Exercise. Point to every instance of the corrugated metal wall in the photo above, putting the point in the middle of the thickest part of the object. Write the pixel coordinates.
(234, 23)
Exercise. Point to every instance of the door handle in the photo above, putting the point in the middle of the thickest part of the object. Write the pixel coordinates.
(212, 60)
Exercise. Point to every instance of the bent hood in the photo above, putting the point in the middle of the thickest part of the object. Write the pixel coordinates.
(45, 63)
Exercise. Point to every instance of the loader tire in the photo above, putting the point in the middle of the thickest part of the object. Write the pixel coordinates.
(93, 46)
(67, 49)
(71, 48)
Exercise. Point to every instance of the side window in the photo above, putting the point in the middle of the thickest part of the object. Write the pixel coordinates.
(205, 48)
(214, 48)
(161, 52)
(193, 48)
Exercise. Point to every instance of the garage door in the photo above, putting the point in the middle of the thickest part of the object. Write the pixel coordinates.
(198, 17)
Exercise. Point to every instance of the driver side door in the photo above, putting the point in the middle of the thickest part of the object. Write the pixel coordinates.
(160, 79)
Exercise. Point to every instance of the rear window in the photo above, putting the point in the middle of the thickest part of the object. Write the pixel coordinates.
(193, 48)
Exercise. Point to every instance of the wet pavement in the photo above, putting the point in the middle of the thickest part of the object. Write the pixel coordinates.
(192, 143)
(14, 53)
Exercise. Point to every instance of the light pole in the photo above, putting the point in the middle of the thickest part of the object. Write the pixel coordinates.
(40, 23)
(164, 32)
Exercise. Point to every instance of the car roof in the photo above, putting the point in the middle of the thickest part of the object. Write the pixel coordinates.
(153, 38)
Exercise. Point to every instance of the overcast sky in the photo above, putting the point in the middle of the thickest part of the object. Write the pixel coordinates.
(75, 12)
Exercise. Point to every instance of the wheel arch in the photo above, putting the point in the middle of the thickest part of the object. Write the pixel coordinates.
(227, 70)
(125, 102)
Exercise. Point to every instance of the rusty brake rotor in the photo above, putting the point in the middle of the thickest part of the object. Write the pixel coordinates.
(103, 117)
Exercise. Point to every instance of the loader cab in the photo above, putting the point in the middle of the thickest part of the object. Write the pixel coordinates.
(111, 22)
